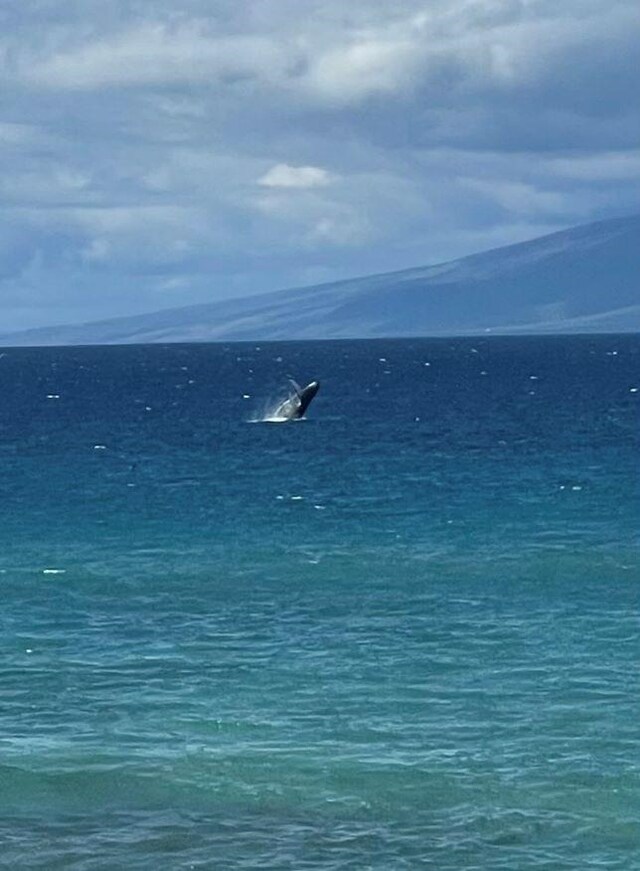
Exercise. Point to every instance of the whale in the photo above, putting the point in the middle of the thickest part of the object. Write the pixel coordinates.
(296, 404)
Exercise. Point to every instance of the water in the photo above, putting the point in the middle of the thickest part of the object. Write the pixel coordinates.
(402, 633)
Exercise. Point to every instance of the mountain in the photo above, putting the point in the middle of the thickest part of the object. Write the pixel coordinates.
(585, 279)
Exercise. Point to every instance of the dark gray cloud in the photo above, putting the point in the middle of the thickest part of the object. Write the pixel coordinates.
(155, 156)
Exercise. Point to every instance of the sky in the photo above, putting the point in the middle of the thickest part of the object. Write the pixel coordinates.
(157, 154)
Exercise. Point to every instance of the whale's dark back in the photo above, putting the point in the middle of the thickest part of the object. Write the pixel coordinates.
(306, 395)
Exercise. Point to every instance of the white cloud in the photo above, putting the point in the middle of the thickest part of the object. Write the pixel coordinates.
(344, 229)
(355, 71)
(284, 176)
(520, 198)
(153, 54)
(43, 185)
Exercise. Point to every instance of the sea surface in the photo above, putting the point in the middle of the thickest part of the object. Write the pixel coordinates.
(400, 634)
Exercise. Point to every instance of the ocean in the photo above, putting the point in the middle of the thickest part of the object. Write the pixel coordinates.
(402, 633)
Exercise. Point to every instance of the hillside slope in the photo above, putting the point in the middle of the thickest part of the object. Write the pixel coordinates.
(585, 279)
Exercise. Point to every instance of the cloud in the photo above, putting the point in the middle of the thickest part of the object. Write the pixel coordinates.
(604, 167)
(16, 134)
(157, 54)
(520, 198)
(284, 176)
(216, 149)
(373, 66)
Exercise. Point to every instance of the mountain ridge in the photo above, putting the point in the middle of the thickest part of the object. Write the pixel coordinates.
(584, 278)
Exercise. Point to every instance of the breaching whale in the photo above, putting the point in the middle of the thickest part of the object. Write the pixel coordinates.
(297, 403)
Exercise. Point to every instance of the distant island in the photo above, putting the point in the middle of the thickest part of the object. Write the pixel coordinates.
(585, 279)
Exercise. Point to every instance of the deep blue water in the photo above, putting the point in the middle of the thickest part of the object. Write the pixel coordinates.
(402, 633)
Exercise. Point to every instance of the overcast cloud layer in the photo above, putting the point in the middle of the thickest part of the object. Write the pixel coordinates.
(157, 154)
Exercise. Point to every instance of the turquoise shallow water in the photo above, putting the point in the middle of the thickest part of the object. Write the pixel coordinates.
(402, 633)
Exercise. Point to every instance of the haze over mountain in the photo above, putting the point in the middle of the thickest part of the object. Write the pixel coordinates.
(584, 279)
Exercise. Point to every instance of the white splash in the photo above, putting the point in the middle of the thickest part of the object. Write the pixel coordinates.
(270, 411)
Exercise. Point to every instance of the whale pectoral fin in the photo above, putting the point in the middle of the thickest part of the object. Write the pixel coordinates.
(296, 387)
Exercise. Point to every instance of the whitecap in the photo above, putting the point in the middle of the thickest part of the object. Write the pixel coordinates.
(272, 420)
